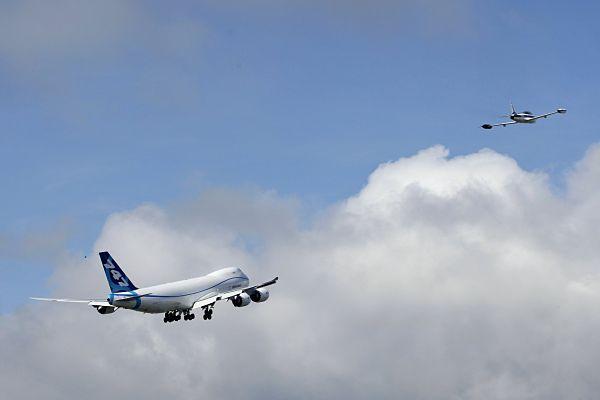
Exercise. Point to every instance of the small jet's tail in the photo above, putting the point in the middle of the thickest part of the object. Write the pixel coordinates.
(117, 280)
(512, 108)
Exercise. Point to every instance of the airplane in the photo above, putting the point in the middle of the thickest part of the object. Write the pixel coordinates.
(175, 299)
(525, 117)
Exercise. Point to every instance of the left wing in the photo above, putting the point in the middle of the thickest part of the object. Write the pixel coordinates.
(558, 111)
(102, 306)
(210, 301)
(488, 126)
(62, 300)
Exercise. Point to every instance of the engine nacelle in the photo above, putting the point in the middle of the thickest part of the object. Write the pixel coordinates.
(106, 310)
(241, 300)
(259, 295)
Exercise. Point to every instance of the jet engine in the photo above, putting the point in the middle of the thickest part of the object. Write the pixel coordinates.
(259, 295)
(106, 310)
(241, 300)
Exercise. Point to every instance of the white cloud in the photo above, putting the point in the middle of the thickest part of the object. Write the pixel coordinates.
(444, 278)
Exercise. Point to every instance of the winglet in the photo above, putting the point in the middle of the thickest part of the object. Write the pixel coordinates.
(271, 282)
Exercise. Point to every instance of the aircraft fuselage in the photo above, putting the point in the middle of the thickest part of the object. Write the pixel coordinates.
(180, 295)
(523, 118)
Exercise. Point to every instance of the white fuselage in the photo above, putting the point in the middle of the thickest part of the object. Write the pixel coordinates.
(523, 118)
(180, 295)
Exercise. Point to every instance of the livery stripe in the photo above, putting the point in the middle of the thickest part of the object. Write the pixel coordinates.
(178, 295)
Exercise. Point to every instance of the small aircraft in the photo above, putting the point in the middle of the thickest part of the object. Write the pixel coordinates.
(176, 298)
(525, 117)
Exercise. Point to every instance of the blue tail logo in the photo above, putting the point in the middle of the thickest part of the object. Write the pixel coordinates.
(117, 280)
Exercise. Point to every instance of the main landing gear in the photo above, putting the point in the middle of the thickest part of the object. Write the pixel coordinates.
(208, 312)
(171, 316)
(175, 315)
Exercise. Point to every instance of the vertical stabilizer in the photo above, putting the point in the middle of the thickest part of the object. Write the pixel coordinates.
(117, 280)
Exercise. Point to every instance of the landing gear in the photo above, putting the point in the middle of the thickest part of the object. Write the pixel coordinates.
(171, 316)
(188, 316)
(208, 312)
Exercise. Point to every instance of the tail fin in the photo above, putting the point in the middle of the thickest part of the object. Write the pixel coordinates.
(117, 280)
(512, 108)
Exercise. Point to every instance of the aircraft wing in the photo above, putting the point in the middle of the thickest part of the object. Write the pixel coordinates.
(61, 300)
(90, 302)
(559, 111)
(271, 282)
(211, 300)
(488, 126)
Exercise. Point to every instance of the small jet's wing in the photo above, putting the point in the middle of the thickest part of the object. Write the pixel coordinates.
(558, 111)
(488, 126)
(211, 300)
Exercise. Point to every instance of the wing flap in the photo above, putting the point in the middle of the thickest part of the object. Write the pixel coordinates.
(213, 299)
(204, 303)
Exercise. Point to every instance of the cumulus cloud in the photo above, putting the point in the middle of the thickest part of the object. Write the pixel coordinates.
(444, 278)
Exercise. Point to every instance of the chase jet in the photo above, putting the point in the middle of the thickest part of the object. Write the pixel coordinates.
(523, 117)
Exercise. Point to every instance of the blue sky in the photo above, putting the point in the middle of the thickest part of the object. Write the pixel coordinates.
(108, 106)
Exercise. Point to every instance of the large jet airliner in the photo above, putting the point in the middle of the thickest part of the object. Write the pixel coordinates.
(175, 298)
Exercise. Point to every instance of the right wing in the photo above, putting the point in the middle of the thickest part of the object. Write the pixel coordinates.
(211, 300)
(271, 282)
(488, 126)
(557, 111)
